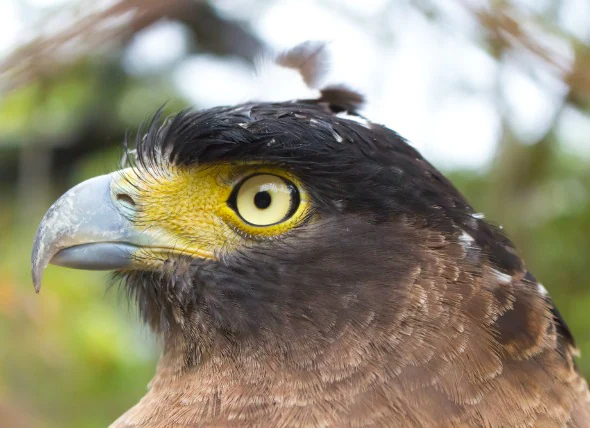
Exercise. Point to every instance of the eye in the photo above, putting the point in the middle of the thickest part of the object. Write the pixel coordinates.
(265, 199)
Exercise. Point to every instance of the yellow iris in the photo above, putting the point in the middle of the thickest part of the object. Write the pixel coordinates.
(265, 199)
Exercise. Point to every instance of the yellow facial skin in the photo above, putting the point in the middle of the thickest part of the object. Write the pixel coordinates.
(187, 208)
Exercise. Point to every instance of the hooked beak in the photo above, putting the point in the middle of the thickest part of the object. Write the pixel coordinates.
(89, 227)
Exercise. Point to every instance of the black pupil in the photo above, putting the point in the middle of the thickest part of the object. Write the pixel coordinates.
(262, 200)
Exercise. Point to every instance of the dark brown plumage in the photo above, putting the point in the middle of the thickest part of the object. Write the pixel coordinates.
(390, 303)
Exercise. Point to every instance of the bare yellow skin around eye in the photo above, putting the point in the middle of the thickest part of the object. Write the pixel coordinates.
(188, 207)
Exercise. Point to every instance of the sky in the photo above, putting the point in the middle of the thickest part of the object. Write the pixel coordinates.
(430, 83)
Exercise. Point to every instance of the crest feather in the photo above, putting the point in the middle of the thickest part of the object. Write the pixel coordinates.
(311, 61)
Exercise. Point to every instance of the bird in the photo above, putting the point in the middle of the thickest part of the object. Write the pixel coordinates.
(302, 265)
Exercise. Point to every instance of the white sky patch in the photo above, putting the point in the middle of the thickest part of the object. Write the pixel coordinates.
(573, 130)
(211, 81)
(464, 133)
(471, 69)
(536, 6)
(155, 48)
(531, 107)
(403, 82)
(575, 17)
(365, 7)
(47, 3)
(11, 26)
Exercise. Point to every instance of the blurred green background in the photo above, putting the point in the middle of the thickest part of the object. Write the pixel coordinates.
(496, 96)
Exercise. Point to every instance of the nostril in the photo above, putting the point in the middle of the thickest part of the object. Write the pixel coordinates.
(125, 200)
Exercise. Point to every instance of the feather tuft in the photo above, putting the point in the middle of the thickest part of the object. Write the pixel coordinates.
(300, 73)
(311, 59)
(341, 98)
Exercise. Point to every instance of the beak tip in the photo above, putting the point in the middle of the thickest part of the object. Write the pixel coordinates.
(36, 280)
(37, 265)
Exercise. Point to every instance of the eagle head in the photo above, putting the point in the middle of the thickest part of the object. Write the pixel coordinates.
(305, 265)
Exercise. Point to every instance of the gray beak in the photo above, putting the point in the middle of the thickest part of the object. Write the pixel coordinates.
(89, 227)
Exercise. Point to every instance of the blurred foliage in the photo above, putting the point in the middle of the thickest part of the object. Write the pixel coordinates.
(76, 356)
